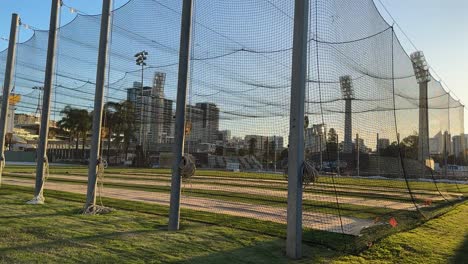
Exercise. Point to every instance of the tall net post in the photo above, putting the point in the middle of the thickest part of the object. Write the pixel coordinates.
(184, 58)
(7, 85)
(45, 115)
(95, 158)
(296, 134)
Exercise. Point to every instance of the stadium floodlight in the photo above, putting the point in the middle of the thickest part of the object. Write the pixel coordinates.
(421, 70)
(141, 58)
(140, 61)
(347, 87)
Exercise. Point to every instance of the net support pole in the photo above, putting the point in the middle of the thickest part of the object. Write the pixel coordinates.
(296, 129)
(358, 147)
(95, 158)
(178, 151)
(7, 85)
(338, 167)
(378, 155)
(47, 91)
(446, 152)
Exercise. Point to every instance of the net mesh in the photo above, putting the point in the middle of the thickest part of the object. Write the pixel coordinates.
(362, 105)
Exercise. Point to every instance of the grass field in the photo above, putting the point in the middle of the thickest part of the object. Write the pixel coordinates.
(135, 233)
(339, 205)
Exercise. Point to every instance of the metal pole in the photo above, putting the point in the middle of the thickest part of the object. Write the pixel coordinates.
(184, 60)
(296, 131)
(45, 111)
(141, 106)
(321, 150)
(95, 157)
(7, 85)
(378, 155)
(445, 153)
(274, 137)
(357, 153)
(338, 155)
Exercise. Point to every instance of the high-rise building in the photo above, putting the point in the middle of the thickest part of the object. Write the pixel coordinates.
(383, 143)
(140, 98)
(459, 144)
(315, 138)
(156, 121)
(261, 142)
(204, 119)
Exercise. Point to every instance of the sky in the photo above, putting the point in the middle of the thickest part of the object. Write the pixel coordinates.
(436, 27)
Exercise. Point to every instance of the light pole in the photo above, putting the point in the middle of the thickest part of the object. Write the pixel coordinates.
(338, 155)
(347, 91)
(422, 76)
(274, 139)
(39, 107)
(321, 135)
(358, 147)
(140, 61)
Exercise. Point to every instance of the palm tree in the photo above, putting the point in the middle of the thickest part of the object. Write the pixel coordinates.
(83, 127)
(120, 122)
(76, 122)
(69, 124)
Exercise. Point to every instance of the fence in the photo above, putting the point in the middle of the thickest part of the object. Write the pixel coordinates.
(381, 165)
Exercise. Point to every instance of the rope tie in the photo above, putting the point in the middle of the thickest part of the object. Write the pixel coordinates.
(2, 162)
(309, 174)
(39, 199)
(187, 167)
(98, 209)
(100, 178)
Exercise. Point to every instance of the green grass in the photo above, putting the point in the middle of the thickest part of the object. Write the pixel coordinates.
(441, 240)
(135, 233)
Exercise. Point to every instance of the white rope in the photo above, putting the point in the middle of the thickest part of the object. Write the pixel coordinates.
(99, 209)
(309, 173)
(39, 199)
(187, 167)
(2, 166)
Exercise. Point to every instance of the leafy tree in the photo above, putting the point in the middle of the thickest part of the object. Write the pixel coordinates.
(243, 152)
(332, 145)
(122, 123)
(83, 126)
(252, 146)
(69, 124)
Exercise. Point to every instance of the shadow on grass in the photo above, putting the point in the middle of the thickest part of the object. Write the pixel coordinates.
(270, 252)
(62, 242)
(461, 255)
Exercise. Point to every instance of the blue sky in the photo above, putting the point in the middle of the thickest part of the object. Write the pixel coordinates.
(436, 27)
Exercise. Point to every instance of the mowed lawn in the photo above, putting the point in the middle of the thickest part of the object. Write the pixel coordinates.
(56, 232)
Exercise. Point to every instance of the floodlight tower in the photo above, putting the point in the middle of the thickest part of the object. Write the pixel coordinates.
(39, 106)
(348, 95)
(422, 76)
(140, 61)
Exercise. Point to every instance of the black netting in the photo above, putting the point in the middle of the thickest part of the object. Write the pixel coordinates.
(362, 105)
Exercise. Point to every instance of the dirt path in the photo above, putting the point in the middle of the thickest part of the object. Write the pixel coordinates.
(360, 201)
(326, 222)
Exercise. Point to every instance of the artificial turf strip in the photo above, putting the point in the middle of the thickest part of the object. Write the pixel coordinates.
(387, 183)
(363, 212)
(341, 189)
(54, 232)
